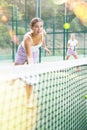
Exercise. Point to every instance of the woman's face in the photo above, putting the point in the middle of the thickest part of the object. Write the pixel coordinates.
(72, 36)
(38, 28)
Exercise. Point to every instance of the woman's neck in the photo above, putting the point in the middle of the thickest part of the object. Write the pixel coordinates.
(35, 34)
(36, 38)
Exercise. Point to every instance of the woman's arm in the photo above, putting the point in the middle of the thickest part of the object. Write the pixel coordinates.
(44, 43)
(45, 47)
(77, 44)
(27, 43)
(69, 46)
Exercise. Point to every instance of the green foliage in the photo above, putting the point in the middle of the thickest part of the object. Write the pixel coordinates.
(53, 16)
(21, 31)
(3, 3)
(5, 40)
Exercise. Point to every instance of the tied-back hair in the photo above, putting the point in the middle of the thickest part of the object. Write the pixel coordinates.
(34, 21)
(72, 34)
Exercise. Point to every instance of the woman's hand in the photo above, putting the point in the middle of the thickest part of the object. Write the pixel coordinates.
(47, 50)
(30, 60)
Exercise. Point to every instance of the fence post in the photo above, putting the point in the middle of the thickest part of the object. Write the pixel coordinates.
(12, 31)
(16, 25)
(53, 36)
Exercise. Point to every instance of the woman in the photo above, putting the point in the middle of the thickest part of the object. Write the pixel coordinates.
(28, 50)
(72, 45)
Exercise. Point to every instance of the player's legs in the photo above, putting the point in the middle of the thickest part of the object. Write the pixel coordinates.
(76, 57)
(67, 57)
(29, 90)
(68, 54)
(15, 63)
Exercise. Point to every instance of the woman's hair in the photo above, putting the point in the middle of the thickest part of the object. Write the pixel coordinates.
(72, 34)
(34, 21)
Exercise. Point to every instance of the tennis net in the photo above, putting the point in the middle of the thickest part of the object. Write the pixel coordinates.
(59, 96)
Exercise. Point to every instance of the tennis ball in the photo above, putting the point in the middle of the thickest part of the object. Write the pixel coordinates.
(85, 96)
(66, 26)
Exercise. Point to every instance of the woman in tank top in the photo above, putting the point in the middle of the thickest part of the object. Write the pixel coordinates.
(28, 50)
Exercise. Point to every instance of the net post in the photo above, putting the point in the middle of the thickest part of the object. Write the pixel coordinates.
(40, 55)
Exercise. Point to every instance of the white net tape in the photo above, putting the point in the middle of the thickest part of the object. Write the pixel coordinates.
(30, 73)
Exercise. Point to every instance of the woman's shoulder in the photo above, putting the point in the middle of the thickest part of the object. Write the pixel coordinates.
(27, 35)
(69, 41)
(76, 40)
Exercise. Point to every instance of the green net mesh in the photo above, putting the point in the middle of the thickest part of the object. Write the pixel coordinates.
(59, 96)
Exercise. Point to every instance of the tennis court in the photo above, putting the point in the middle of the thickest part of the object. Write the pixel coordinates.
(58, 97)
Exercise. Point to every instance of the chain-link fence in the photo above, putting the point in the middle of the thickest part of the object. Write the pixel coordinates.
(56, 38)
